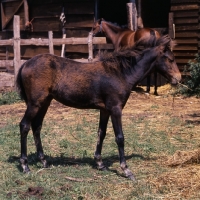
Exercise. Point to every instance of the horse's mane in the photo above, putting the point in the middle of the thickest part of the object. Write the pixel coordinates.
(123, 27)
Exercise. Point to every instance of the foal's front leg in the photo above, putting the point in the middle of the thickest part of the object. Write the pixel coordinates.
(104, 116)
(119, 137)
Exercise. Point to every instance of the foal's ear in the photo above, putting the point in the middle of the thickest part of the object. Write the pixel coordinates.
(162, 48)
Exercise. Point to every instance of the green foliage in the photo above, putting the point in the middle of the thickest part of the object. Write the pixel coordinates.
(9, 98)
(192, 82)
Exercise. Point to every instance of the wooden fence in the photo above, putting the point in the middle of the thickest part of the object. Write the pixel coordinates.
(17, 42)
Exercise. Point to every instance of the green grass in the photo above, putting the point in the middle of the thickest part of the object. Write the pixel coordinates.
(69, 146)
(9, 97)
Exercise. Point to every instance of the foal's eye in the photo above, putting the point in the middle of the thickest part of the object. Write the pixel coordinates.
(170, 60)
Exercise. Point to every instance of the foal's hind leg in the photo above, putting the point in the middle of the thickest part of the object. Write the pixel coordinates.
(36, 128)
(119, 137)
(155, 84)
(25, 124)
(148, 83)
(104, 116)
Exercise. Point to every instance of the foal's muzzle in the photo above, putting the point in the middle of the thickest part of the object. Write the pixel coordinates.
(176, 79)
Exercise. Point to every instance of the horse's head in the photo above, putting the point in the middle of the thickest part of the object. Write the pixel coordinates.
(165, 62)
(97, 27)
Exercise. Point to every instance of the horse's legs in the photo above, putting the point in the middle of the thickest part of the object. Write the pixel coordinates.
(148, 83)
(25, 124)
(104, 116)
(119, 137)
(155, 83)
(36, 128)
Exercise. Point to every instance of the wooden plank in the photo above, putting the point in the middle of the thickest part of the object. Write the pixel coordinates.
(17, 50)
(4, 63)
(186, 34)
(187, 28)
(6, 42)
(104, 46)
(74, 8)
(183, 14)
(185, 48)
(79, 21)
(9, 19)
(184, 54)
(54, 8)
(184, 1)
(186, 21)
(185, 7)
(187, 41)
(77, 49)
(56, 41)
(182, 60)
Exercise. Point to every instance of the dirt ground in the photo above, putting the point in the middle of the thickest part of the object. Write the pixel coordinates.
(186, 108)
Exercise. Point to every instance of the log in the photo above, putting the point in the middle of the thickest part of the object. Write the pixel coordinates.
(51, 50)
(132, 16)
(26, 13)
(90, 46)
(17, 50)
(56, 41)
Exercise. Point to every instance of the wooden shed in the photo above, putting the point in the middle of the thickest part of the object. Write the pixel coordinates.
(186, 30)
(38, 17)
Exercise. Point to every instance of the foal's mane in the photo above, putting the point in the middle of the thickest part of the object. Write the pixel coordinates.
(122, 60)
(127, 58)
(166, 40)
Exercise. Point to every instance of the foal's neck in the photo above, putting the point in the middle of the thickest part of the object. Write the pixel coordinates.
(143, 67)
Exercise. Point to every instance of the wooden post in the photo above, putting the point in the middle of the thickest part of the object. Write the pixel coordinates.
(96, 9)
(139, 17)
(90, 46)
(63, 45)
(132, 16)
(171, 25)
(51, 51)
(16, 43)
(26, 13)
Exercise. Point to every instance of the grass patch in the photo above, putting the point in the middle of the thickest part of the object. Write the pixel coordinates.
(9, 98)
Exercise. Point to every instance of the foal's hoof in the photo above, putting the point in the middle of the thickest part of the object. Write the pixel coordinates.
(45, 164)
(132, 178)
(24, 165)
(26, 169)
(102, 168)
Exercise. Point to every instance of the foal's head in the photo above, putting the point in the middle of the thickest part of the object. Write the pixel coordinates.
(165, 62)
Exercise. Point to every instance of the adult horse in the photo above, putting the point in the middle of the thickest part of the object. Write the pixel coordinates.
(104, 85)
(125, 38)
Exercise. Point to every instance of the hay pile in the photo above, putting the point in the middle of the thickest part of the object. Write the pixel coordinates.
(184, 157)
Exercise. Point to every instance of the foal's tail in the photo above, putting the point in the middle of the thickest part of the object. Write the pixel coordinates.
(20, 86)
